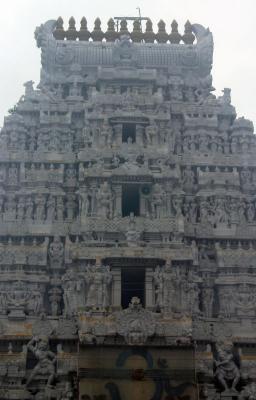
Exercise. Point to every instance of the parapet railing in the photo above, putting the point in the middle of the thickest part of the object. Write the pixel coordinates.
(136, 35)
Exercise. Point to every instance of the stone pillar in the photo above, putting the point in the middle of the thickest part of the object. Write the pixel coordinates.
(116, 288)
(118, 200)
(143, 201)
(139, 134)
(149, 292)
(118, 134)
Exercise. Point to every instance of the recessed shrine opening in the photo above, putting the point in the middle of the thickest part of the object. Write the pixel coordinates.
(133, 285)
(130, 200)
(129, 133)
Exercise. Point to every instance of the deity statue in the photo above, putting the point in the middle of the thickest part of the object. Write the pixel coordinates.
(56, 252)
(39, 346)
(246, 176)
(207, 301)
(177, 206)
(164, 279)
(250, 211)
(106, 135)
(157, 202)
(188, 178)
(241, 210)
(85, 203)
(50, 206)
(59, 208)
(10, 208)
(29, 208)
(226, 369)
(220, 212)
(151, 134)
(70, 175)
(13, 174)
(17, 298)
(225, 99)
(226, 303)
(98, 279)
(55, 295)
(204, 142)
(205, 211)
(191, 291)
(73, 293)
(20, 209)
(104, 198)
(70, 206)
(233, 210)
(158, 279)
(40, 207)
(192, 212)
(234, 146)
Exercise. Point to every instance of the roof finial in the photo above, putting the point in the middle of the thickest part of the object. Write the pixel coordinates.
(111, 34)
(149, 35)
(97, 34)
(71, 33)
(83, 34)
(59, 32)
(161, 36)
(188, 37)
(174, 36)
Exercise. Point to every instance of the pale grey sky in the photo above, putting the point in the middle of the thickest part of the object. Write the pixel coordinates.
(232, 23)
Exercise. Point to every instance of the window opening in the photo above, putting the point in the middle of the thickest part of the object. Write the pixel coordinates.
(130, 200)
(129, 133)
(133, 285)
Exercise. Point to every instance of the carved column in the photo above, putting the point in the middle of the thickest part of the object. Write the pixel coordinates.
(149, 301)
(118, 200)
(139, 134)
(116, 288)
(118, 134)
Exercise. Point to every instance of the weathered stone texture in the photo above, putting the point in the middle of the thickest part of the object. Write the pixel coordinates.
(128, 223)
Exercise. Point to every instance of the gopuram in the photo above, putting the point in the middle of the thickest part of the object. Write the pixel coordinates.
(128, 224)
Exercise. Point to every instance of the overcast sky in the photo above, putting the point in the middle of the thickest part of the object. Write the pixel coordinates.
(232, 23)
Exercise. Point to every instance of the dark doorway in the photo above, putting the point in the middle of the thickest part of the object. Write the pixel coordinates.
(133, 285)
(129, 133)
(130, 200)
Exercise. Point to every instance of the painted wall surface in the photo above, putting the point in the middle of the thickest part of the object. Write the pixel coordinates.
(136, 374)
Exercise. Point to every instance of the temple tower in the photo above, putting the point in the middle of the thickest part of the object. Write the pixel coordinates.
(128, 225)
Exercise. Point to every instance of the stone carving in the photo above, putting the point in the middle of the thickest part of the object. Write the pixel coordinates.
(98, 279)
(188, 179)
(226, 369)
(55, 295)
(158, 201)
(249, 392)
(207, 301)
(73, 293)
(67, 393)
(104, 198)
(56, 252)
(45, 366)
(123, 160)
(135, 324)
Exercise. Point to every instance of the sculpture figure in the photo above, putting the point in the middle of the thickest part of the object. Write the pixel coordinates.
(188, 178)
(56, 252)
(73, 293)
(29, 208)
(104, 198)
(226, 369)
(98, 279)
(158, 197)
(207, 301)
(55, 295)
(39, 346)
